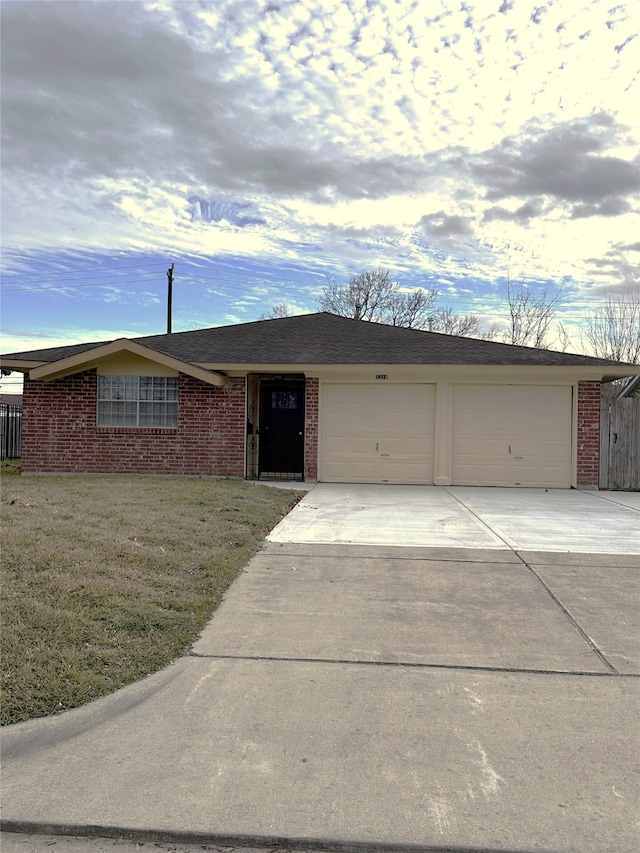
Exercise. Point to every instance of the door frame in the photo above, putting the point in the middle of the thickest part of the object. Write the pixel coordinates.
(257, 385)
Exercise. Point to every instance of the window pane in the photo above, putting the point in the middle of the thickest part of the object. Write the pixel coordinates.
(131, 387)
(137, 401)
(146, 387)
(284, 400)
(146, 414)
(104, 413)
(117, 388)
(172, 414)
(159, 389)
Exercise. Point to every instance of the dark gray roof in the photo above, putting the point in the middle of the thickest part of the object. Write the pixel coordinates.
(52, 353)
(328, 339)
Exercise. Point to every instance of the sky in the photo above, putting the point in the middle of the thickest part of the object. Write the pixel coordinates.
(268, 147)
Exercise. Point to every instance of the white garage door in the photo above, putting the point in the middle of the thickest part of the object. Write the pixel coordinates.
(377, 433)
(511, 436)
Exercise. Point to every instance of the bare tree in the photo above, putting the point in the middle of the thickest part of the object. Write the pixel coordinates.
(280, 309)
(372, 295)
(462, 325)
(364, 298)
(613, 330)
(530, 314)
(412, 310)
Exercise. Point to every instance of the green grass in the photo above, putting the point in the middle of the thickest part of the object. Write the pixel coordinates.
(107, 579)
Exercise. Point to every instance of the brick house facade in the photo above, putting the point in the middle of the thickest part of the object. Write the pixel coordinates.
(60, 432)
(213, 380)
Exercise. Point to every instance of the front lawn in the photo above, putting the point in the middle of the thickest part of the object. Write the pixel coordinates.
(107, 579)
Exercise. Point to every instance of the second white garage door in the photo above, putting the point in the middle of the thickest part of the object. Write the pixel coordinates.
(508, 435)
(377, 433)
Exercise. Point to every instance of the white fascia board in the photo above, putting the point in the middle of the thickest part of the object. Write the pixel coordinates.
(485, 372)
(22, 365)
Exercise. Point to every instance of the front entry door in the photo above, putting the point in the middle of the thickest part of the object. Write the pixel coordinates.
(281, 449)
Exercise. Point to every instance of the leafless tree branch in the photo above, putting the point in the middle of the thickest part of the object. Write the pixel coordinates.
(613, 330)
(372, 295)
(531, 314)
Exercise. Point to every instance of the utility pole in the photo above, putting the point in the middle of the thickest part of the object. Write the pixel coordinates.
(169, 297)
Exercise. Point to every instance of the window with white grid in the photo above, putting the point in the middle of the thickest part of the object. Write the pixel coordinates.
(138, 401)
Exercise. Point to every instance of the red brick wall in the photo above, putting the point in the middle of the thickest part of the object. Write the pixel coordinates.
(311, 429)
(60, 433)
(588, 434)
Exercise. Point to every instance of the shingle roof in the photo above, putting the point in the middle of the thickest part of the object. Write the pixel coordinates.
(328, 339)
(52, 353)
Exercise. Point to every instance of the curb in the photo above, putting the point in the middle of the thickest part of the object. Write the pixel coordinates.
(259, 842)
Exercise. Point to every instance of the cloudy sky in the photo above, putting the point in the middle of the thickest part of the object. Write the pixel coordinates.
(267, 146)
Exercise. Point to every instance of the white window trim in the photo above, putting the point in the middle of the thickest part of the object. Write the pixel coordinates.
(133, 400)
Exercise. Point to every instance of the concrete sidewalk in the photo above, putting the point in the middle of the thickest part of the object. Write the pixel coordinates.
(352, 697)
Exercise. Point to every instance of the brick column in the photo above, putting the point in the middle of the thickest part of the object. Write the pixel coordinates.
(312, 390)
(588, 434)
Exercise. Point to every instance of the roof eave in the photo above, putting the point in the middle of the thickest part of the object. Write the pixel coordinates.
(22, 365)
(89, 358)
(572, 372)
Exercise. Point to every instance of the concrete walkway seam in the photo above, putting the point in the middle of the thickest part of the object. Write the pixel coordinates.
(600, 497)
(419, 665)
(571, 618)
(493, 531)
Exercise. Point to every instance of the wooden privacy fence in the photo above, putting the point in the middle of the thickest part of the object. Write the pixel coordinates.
(10, 431)
(620, 443)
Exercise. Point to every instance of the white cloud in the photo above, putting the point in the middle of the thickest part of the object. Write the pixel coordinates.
(449, 136)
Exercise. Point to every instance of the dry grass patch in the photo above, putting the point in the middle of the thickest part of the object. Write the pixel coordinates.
(107, 579)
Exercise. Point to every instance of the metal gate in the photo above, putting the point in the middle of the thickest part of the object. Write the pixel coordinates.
(10, 431)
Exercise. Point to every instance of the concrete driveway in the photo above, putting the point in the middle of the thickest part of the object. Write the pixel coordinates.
(466, 517)
(353, 697)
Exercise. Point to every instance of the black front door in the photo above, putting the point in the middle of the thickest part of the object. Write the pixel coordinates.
(281, 450)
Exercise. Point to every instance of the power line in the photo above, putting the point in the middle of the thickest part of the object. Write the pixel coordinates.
(213, 274)
(54, 288)
(80, 271)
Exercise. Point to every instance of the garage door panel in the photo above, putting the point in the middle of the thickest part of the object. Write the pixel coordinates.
(521, 447)
(491, 447)
(525, 475)
(465, 447)
(394, 446)
(338, 421)
(553, 448)
(342, 399)
(375, 434)
(363, 472)
(497, 474)
(511, 435)
(552, 477)
(407, 473)
(341, 445)
(360, 444)
(416, 447)
(494, 470)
